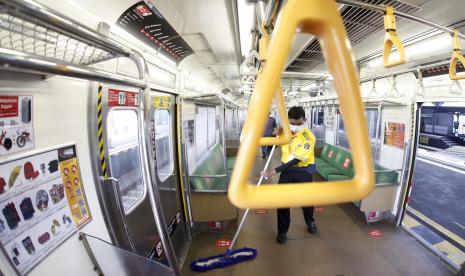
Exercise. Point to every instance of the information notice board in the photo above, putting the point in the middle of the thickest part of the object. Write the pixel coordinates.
(42, 203)
(394, 134)
(16, 124)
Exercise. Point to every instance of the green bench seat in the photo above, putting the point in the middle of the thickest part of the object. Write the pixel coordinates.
(209, 186)
(230, 161)
(209, 175)
(335, 164)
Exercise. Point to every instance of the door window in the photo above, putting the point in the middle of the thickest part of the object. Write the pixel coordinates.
(124, 156)
(163, 147)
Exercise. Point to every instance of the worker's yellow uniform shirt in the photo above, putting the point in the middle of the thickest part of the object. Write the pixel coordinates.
(301, 147)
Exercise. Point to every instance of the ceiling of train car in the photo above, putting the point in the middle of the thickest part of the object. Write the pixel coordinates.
(204, 25)
(359, 24)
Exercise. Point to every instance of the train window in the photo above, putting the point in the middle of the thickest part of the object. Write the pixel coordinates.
(201, 130)
(124, 156)
(372, 123)
(205, 129)
(163, 147)
(212, 133)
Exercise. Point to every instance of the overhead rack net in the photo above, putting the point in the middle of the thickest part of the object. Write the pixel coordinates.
(25, 35)
(37, 39)
(21, 31)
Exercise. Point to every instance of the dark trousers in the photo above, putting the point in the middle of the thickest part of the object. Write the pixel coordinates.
(266, 150)
(293, 175)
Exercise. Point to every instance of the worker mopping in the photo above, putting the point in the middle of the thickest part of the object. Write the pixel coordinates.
(231, 256)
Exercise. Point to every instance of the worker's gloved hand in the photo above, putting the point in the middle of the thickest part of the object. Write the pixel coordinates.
(267, 174)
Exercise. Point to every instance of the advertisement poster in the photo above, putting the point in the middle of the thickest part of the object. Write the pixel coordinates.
(16, 131)
(122, 98)
(42, 203)
(394, 134)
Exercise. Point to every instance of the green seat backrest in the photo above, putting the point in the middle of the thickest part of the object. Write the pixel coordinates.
(337, 160)
(212, 164)
(325, 149)
(330, 153)
(345, 164)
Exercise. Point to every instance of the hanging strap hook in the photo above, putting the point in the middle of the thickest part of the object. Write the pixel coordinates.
(373, 91)
(456, 56)
(420, 87)
(393, 81)
(391, 39)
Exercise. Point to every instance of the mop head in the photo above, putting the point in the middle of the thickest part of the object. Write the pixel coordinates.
(223, 260)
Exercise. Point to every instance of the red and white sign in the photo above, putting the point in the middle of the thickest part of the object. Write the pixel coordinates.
(122, 98)
(215, 225)
(9, 106)
(223, 243)
(375, 233)
(260, 211)
(143, 10)
(346, 163)
(16, 129)
(319, 209)
(373, 216)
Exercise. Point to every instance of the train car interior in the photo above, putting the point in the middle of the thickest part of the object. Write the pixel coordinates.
(184, 137)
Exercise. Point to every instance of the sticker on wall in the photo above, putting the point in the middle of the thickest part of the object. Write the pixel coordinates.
(394, 134)
(161, 102)
(16, 128)
(122, 98)
(42, 203)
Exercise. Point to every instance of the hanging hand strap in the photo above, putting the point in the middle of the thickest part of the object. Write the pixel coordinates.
(322, 19)
(391, 39)
(456, 56)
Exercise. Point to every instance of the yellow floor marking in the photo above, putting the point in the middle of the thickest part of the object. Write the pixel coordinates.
(410, 222)
(437, 226)
(452, 252)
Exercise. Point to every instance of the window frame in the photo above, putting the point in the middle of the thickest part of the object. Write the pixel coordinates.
(170, 144)
(125, 147)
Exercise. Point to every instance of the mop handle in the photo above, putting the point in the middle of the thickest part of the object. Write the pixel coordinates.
(244, 217)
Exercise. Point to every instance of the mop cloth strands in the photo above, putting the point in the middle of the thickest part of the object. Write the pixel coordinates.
(231, 257)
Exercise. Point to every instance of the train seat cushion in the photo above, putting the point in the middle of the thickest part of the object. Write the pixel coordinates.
(338, 177)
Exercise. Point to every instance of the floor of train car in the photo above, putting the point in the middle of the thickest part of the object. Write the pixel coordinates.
(343, 246)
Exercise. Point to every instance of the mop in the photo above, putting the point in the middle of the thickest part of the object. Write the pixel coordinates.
(231, 256)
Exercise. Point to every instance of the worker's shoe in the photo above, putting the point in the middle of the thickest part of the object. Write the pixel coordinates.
(281, 239)
(312, 229)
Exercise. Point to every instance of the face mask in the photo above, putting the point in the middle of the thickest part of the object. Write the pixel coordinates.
(296, 129)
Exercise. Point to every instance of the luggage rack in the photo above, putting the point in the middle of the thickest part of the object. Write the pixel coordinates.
(35, 38)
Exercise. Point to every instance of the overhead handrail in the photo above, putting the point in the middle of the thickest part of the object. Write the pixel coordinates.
(456, 56)
(391, 39)
(322, 19)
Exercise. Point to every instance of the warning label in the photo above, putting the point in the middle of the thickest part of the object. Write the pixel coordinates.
(9, 106)
(122, 98)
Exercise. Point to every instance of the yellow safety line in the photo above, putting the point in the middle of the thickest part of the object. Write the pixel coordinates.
(100, 131)
(452, 252)
(439, 227)
(179, 123)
